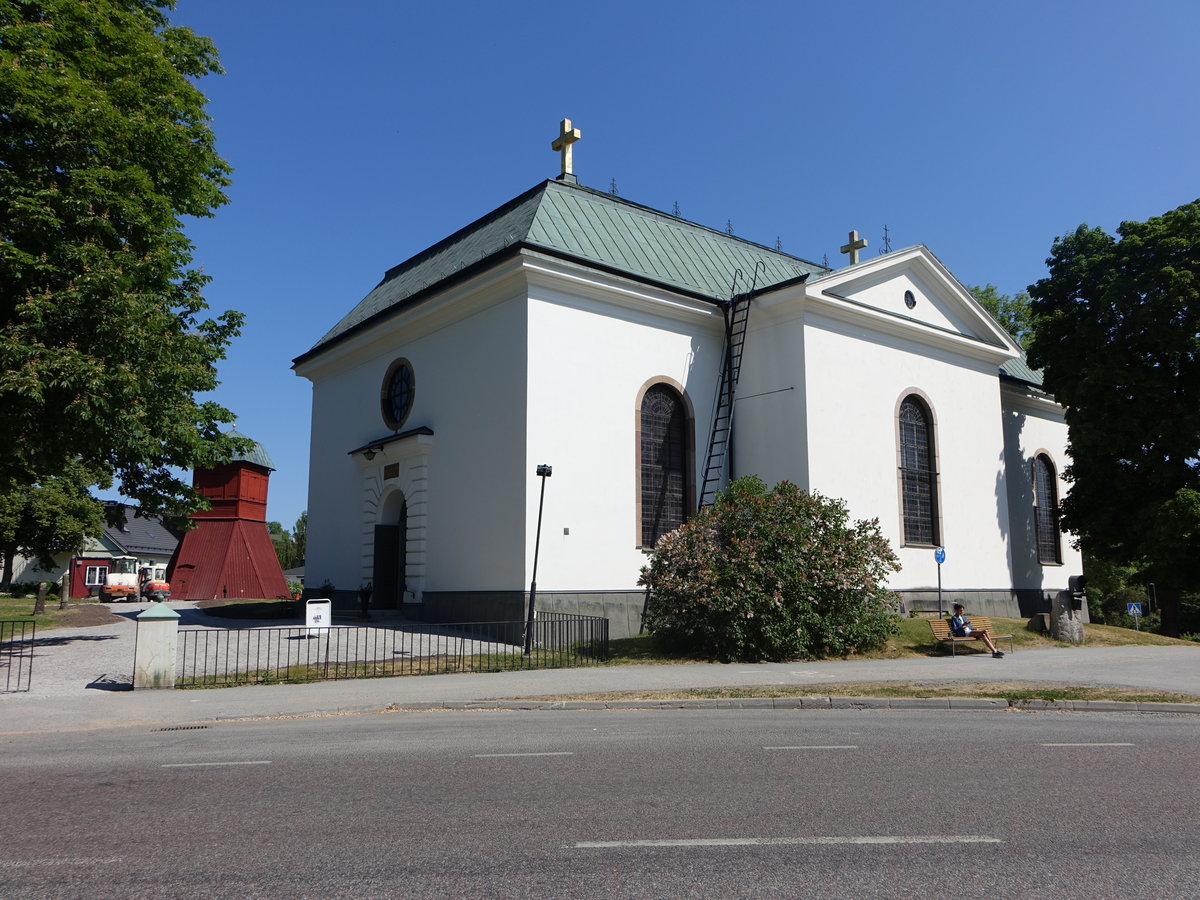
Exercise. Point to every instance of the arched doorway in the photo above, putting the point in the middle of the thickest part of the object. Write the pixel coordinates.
(391, 553)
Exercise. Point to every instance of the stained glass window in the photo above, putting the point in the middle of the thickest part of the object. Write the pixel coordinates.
(1045, 510)
(663, 462)
(396, 395)
(918, 480)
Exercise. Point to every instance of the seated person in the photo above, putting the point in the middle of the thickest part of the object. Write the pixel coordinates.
(960, 626)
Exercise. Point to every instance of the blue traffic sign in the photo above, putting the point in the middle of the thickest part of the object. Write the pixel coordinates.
(940, 555)
(1133, 609)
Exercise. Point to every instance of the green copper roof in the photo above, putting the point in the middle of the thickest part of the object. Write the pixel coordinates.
(589, 227)
(1020, 369)
(256, 454)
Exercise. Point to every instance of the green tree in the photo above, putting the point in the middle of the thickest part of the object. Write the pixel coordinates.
(104, 146)
(54, 515)
(285, 546)
(300, 537)
(1013, 313)
(1118, 338)
(771, 574)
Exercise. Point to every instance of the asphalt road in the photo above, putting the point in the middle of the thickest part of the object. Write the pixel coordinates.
(612, 804)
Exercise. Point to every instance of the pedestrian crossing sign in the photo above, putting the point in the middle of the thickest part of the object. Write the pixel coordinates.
(1133, 609)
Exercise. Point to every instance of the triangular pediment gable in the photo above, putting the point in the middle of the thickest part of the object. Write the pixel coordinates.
(906, 292)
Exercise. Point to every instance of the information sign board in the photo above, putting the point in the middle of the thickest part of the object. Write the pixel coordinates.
(318, 614)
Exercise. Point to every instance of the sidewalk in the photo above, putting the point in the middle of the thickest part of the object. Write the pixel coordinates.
(75, 671)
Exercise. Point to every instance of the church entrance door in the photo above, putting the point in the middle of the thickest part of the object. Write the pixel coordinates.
(391, 546)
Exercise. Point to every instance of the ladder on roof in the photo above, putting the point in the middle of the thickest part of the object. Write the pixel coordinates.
(720, 447)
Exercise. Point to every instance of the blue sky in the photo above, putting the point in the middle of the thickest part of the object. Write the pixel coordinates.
(361, 132)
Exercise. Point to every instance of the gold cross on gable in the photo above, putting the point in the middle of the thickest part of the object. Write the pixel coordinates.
(566, 137)
(853, 247)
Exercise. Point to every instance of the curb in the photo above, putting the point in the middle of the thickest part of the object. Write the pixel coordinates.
(975, 704)
(794, 703)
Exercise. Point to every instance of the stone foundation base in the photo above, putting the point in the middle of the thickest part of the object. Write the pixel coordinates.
(1015, 603)
(623, 609)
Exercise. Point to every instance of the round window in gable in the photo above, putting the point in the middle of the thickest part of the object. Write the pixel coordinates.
(396, 395)
(909, 300)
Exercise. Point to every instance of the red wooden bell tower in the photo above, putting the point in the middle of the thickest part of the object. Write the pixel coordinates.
(229, 553)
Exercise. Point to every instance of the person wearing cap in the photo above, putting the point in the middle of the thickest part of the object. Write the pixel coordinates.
(960, 626)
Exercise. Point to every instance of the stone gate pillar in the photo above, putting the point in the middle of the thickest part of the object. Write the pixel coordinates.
(154, 649)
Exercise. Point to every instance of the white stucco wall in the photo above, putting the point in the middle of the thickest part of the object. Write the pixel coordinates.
(542, 362)
(856, 380)
(469, 365)
(771, 418)
(592, 348)
(1033, 425)
(886, 291)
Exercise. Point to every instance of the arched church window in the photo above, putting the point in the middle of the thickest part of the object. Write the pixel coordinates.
(918, 478)
(663, 462)
(1045, 510)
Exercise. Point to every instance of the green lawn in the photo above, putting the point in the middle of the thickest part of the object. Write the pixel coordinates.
(21, 609)
(915, 639)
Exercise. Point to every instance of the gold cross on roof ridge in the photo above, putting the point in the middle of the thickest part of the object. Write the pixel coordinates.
(566, 137)
(852, 248)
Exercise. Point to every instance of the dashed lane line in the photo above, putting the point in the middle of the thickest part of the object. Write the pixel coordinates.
(498, 755)
(41, 862)
(792, 841)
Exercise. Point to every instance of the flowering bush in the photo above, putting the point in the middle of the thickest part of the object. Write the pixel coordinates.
(771, 574)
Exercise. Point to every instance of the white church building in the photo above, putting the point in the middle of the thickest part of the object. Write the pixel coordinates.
(645, 358)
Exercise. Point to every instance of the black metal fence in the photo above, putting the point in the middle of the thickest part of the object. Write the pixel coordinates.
(221, 657)
(16, 655)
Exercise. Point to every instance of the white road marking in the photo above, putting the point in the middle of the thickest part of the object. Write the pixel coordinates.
(797, 841)
(818, 747)
(1093, 744)
(494, 755)
(248, 762)
(58, 861)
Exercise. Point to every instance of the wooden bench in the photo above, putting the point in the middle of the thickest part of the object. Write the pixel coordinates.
(942, 635)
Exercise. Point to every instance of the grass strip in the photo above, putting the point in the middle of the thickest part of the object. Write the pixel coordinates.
(1003, 690)
(914, 639)
(421, 665)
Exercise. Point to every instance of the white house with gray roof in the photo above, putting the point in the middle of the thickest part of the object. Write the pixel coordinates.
(144, 537)
(644, 357)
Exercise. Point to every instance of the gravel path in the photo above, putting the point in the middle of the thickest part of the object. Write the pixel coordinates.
(77, 661)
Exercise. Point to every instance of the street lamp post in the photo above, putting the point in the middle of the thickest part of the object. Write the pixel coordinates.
(543, 471)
